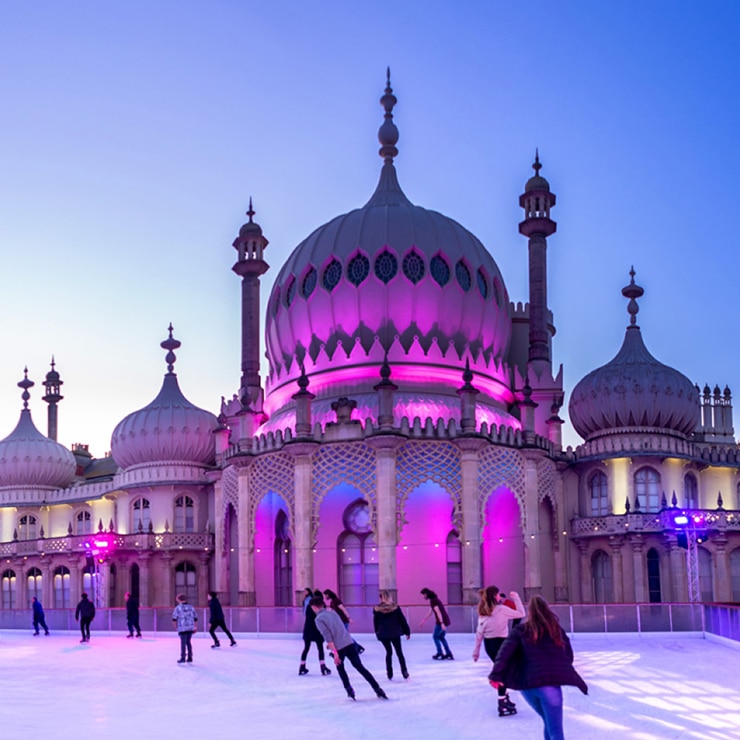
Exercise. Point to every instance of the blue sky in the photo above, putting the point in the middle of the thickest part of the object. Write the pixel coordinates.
(132, 135)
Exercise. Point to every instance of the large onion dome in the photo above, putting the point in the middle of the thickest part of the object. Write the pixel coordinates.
(169, 429)
(388, 277)
(28, 458)
(634, 392)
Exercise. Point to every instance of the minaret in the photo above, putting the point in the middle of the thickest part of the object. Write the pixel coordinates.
(537, 201)
(52, 397)
(250, 266)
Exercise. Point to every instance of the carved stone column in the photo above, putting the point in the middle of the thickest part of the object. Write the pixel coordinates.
(167, 581)
(638, 568)
(532, 544)
(145, 598)
(304, 535)
(21, 585)
(221, 557)
(615, 543)
(245, 523)
(584, 563)
(75, 587)
(722, 581)
(559, 548)
(679, 577)
(203, 557)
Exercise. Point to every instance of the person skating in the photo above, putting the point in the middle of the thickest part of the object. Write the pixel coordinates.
(132, 615)
(537, 659)
(216, 619)
(186, 621)
(312, 635)
(38, 617)
(442, 621)
(390, 624)
(84, 614)
(493, 629)
(340, 642)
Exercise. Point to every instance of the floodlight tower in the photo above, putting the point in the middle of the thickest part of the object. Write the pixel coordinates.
(688, 538)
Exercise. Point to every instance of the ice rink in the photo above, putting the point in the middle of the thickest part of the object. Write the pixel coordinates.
(654, 686)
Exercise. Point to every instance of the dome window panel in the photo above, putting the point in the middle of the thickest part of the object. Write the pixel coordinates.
(482, 283)
(309, 283)
(358, 269)
(440, 270)
(386, 266)
(290, 292)
(496, 292)
(462, 273)
(413, 267)
(332, 275)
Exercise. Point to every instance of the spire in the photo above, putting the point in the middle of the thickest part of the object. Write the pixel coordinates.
(25, 384)
(632, 291)
(388, 133)
(170, 344)
(537, 166)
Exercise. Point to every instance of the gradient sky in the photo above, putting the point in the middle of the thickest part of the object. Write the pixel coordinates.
(132, 135)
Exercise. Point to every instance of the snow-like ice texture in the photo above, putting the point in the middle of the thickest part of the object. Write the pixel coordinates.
(655, 686)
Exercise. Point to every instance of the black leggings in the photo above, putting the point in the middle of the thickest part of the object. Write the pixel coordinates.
(353, 656)
(390, 644)
(492, 646)
(307, 646)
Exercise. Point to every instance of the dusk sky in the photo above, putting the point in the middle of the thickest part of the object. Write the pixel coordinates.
(133, 134)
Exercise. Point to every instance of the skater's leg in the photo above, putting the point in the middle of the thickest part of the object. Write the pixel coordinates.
(547, 701)
(443, 641)
(183, 645)
(396, 642)
(320, 648)
(306, 648)
(388, 657)
(353, 656)
(212, 632)
(342, 671)
(227, 633)
(435, 636)
(189, 645)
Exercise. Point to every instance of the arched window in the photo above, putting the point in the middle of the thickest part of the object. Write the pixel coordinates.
(61, 588)
(27, 527)
(462, 273)
(601, 570)
(599, 490)
(481, 282)
(141, 515)
(135, 580)
(8, 589)
(83, 523)
(690, 492)
(283, 562)
(735, 573)
(112, 583)
(290, 292)
(332, 275)
(184, 514)
(386, 266)
(706, 582)
(357, 556)
(440, 270)
(358, 268)
(185, 581)
(653, 571)
(413, 266)
(34, 582)
(90, 580)
(647, 489)
(454, 569)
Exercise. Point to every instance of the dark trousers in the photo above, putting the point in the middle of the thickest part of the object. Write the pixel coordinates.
(394, 643)
(353, 656)
(492, 646)
(40, 622)
(85, 627)
(222, 625)
(307, 646)
(133, 624)
(186, 645)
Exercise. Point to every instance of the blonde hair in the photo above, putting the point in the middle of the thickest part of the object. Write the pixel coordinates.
(385, 597)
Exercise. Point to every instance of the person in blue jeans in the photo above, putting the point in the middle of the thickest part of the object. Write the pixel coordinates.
(537, 659)
(442, 621)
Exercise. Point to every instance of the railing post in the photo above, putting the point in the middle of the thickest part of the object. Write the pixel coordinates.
(639, 620)
(606, 624)
(570, 614)
(670, 617)
(257, 620)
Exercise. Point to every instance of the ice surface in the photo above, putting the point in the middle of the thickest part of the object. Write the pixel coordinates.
(654, 686)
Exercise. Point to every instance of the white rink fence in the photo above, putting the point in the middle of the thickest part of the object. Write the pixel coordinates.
(722, 620)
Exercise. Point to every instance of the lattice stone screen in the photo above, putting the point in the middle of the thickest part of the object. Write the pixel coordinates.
(497, 467)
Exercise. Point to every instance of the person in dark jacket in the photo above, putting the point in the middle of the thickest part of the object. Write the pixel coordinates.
(537, 659)
(132, 615)
(38, 617)
(84, 614)
(312, 635)
(442, 622)
(390, 624)
(216, 619)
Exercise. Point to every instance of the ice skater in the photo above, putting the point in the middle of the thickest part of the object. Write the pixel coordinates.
(38, 617)
(493, 629)
(216, 619)
(336, 605)
(312, 635)
(340, 642)
(390, 624)
(442, 621)
(186, 621)
(84, 614)
(132, 615)
(537, 659)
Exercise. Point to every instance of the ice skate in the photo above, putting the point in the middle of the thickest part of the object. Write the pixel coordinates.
(381, 694)
(351, 693)
(325, 671)
(505, 707)
(302, 671)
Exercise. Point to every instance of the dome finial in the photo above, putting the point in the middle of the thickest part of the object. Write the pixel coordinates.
(388, 133)
(632, 291)
(25, 384)
(537, 166)
(251, 210)
(170, 344)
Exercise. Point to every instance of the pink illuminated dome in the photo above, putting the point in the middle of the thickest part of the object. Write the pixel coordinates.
(169, 429)
(390, 277)
(634, 392)
(29, 459)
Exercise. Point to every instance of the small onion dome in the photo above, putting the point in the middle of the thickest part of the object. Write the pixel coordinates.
(28, 458)
(537, 182)
(250, 228)
(634, 391)
(169, 429)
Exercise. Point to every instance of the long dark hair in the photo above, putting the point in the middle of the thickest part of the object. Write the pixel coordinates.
(427, 593)
(487, 600)
(541, 621)
(331, 595)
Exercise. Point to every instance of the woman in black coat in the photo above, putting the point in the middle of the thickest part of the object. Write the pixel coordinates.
(537, 659)
(311, 634)
(389, 624)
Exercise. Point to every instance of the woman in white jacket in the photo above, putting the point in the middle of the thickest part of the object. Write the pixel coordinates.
(493, 629)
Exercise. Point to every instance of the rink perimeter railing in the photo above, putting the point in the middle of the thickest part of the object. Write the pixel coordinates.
(717, 619)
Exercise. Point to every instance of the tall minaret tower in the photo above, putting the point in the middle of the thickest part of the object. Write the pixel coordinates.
(250, 266)
(53, 396)
(537, 201)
